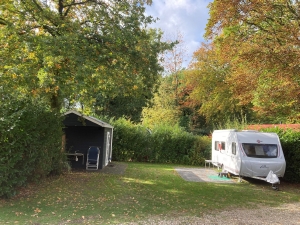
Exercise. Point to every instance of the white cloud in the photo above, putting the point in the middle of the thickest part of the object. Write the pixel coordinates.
(187, 16)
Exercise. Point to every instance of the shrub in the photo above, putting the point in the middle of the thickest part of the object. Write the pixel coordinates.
(30, 140)
(170, 144)
(200, 151)
(164, 144)
(130, 141)
(290, 142)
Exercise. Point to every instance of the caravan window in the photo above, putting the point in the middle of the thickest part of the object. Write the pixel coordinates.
(222, 145)
(260, 150)
(216, 145)
(233, 148)
(219, 145)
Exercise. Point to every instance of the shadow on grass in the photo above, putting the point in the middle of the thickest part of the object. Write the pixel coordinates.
(283, 186)
(142, 190)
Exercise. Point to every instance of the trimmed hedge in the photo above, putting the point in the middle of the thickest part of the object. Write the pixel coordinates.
(290, 142)
(164, 144)
(130, 142)
(30, 140)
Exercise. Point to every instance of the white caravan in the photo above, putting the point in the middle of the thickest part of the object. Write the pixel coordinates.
(249, 153)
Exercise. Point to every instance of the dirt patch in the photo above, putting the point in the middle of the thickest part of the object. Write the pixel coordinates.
(112, 168)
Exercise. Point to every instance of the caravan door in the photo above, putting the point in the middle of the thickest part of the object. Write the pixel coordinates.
(234, 164)
(214, 152)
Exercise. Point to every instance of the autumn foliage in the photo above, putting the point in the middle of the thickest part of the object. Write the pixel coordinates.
(253, 64)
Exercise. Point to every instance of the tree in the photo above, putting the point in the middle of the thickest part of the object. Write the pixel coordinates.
(190, 118)
(173, 60)
(129, 106)
(261, 41)
(208, 76)
(162, 109)
(69, 50)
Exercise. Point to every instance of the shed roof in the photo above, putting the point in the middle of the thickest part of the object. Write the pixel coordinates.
(90, 118)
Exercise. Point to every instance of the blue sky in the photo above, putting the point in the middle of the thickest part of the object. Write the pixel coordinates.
(187, 16)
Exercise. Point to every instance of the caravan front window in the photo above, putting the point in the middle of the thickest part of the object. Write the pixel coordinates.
(260, 150)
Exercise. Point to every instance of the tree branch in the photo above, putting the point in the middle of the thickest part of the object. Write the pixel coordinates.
(293, 10)
(3, 21)
(85, 2)
(37, 5)
(256, 25)
(50, 30)
(68, 8)
(60, 8)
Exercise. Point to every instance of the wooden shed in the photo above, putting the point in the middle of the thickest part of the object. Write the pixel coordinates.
(81, 132)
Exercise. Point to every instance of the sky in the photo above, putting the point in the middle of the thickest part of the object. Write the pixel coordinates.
(187, 16)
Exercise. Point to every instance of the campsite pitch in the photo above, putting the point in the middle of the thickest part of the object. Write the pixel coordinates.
(188, 174)
(202, 175)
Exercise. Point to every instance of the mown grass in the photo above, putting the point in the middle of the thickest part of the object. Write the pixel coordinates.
(144, 190)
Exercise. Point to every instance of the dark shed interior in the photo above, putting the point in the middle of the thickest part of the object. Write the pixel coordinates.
(81, 132)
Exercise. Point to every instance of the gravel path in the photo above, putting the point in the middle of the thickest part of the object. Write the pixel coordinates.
(288, 214)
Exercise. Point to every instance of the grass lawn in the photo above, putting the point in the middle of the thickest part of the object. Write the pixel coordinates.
(144, 190)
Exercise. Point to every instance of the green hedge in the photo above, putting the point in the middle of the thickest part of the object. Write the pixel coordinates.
(127, 139)
(164, 144)
(290, 142)
(30, 140)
